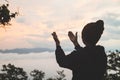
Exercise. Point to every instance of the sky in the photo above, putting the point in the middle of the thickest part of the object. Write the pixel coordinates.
(37, 19)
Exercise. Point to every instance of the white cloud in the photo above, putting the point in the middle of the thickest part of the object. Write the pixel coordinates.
(111, 44)
(41, 17)
(42, 61)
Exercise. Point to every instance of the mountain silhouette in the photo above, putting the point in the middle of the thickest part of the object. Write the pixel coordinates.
(26, 50)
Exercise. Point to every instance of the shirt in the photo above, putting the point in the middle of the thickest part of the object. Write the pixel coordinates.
(88, 63)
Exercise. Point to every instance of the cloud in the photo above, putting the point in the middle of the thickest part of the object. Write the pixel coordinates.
(34, 27)
(32, 56)
(26, 50)
(112, 26)
(112, 19)
(49, 24)
(21, 20)
(111, 44)
(32, 61)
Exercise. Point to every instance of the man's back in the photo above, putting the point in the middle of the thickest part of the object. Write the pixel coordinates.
(89, 64)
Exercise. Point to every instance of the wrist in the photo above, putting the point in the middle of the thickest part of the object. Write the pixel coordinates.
(76, 43)
(57, 44)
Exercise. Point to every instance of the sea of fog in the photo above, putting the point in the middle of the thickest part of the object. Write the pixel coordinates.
(44, 61)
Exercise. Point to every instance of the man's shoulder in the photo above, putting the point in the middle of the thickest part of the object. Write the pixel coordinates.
(100, 47)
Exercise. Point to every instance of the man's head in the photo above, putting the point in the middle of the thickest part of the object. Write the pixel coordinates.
(92, 32)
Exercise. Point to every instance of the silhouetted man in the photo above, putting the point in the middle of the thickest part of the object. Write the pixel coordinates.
(86, 63)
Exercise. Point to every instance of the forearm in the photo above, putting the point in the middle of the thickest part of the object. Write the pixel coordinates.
(76, 44)
(60, 56)
(59, 52)
(57, 45)
(62, 59)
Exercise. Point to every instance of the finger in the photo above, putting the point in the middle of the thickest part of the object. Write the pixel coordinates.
(76, 34)
(53, 33)
(70, 33)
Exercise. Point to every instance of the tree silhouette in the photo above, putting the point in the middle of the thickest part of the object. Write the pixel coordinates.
(37, 75)
(10, 72)
(113, 66)
(6, 15)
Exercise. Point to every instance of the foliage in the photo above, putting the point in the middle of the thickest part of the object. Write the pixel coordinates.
(37, 75)
(6, 15)
(60, 76)
(113, 66)
(10, 72)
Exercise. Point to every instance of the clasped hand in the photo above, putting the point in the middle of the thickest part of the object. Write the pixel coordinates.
(71, 36)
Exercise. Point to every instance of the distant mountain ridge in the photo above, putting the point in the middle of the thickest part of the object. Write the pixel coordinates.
(26, 50)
